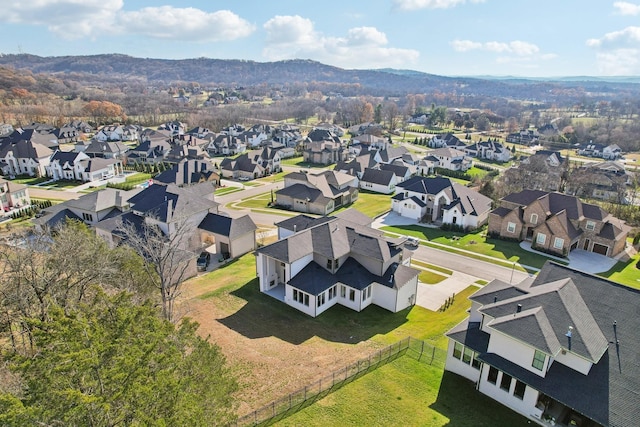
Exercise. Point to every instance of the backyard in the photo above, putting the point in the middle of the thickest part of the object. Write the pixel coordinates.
(274, 349)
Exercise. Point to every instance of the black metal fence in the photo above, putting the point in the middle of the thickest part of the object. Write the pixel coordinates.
(299, 399)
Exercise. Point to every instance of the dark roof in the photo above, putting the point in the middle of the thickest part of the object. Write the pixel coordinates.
(425, 185)
(314, 279)
(354, 216)
(470, 335)
(605, 321)
(227, 226)
(301, 222)
(525, 197)
(302, 192)
(186, 172)
(501, 212)
(376, 176)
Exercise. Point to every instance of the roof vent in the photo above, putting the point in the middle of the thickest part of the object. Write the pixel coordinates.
(519, 308)
(568, 335)
(495, 299)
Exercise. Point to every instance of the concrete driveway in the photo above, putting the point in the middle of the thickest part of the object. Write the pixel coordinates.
(580, 259)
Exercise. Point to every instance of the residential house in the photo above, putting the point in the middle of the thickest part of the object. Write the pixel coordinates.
(5, 129)
(368, 141)
(319, 193)
(80, 125)
(176, 211)
(109, 133)
(180, 152)
(24, 157)
(558, 223)
(251, 165)
(78, 166)
(189, 172)
(524, 137)
(378, 181)
(438, 199)
(149, 151)
(323, 152)
(448, 140)
(400, 169)
(106, 149)
(199, 132)
(608, 180)
(337, 262)
(560, 348)
(608, 152)
(232, 237)
(367, 127)
(611, 152)
(226, 145)
(66, 134)
(12, 196)
(450, 158)
(288, 135)
(488, 150)
(90, 208)
(545, 170)
(357, 165)
(174, 127)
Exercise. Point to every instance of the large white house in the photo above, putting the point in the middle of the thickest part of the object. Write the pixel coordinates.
(438, 199)
(337, 262)
(560, 348)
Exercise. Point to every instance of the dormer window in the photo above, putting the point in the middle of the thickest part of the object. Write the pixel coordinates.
(538, 360)
(590, 225)
(534, 218)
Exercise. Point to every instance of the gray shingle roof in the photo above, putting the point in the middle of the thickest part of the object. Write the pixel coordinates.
(609, 393)
(227, 226)
(376, 176)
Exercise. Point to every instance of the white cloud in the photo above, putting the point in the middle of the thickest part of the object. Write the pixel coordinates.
(167, 22)
(290, 37)
(74, 19)
(625, 8)
(618, 52)
(69, 19)
(430, 4)
(515, 47)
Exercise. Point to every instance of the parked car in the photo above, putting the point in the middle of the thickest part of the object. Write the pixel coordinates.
(412, 241)
(203, 260)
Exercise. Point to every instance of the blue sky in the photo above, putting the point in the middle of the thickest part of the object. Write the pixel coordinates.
(536, 38)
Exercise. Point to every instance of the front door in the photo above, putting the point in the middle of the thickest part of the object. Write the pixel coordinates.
(586, 244)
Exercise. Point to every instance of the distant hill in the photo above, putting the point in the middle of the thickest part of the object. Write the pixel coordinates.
(383, 82)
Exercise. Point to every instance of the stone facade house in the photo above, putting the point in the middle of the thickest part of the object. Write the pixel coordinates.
(558, 223)
(320, 193)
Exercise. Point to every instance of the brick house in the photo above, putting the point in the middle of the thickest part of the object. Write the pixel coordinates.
(558, 223)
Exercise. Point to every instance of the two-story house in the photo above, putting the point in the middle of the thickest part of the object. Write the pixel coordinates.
(12, 196)
(319, 193)
(450, 158)
(447, 140)
(438, 199)
(337, 262)
(24, 157)
(488, 150)
(558, 223)
(561, 348)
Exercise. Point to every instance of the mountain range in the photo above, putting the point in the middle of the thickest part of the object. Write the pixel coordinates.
(381, 82)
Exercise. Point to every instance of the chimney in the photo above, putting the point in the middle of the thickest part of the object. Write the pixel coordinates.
(519, 308)
(118, 198)
(295, 227)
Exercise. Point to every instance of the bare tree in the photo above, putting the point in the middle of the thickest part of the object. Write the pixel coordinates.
(168, 260)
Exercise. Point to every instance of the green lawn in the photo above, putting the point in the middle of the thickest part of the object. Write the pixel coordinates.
(406, 392)
(475, 171)
(430, 278)
(370, 204)
(221, 191)
(259, 201)
(475, 242)
(432, 267)
(273, 178)
(30, 180)
(138, 178)
(297, 161)
(625, 273)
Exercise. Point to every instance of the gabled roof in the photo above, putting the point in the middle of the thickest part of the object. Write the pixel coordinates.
(377, 176)
(168, 202)
(104, 199)
(227, 226)
(605, 321)
(301, 222)
(186, 172)
(425, 185)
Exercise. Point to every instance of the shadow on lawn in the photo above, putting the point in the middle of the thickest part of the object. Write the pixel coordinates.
(463, 405)
(264, 316)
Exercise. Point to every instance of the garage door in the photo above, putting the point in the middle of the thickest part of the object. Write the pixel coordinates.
(600, 249)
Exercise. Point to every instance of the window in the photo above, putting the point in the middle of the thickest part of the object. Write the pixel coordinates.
(343, 291)
(492, 377)
(558, 243)
(301, 297)
(505, 382)
(329, 264)
(87, 216)
(306, 300)
(475, 363)
(590, 225)
(467, 355)
(519, 389)
(369, 291)
(534, 218)
(511, 227)
(364, 294)
(538, 360)
(321, 299)
(541, 238)
(457, 350)
(352, 294)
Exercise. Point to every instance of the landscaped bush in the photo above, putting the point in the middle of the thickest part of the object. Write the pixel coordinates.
(453, 174)
(121, 186)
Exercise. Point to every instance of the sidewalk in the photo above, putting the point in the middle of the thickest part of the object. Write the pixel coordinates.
(432, 297)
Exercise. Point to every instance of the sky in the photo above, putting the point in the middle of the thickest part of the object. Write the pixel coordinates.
(526, 38)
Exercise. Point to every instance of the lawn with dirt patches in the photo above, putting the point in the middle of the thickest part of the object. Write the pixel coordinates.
(274, 349)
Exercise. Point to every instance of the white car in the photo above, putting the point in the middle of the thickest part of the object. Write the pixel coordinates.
(412, 241)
